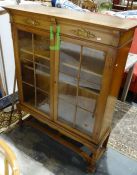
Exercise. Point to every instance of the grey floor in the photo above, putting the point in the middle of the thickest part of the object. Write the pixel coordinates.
(37, 154)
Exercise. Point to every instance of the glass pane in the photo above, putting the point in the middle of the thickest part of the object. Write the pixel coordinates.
(34, 51)
(89, 85)
(66, 111)
(84, 121)
(77, 95)
(42, 62)
(67, 92)
(42, 70)
(67, 79)
(92, 67)
(29, 94)
(42, 65)
(69, 58)
(93, 60)
(27, 71)
(68, 72)
(43, 82)
(86, 100)
(41, 46)
(42, 101)
(25, 41)
(26, 56)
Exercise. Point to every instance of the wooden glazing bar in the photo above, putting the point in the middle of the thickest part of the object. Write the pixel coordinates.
(33, 50)
(78, 79)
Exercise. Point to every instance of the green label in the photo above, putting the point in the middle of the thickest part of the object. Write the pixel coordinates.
(57, 44)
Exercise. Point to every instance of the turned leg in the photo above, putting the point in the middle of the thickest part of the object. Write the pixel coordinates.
(106, 142)
(12, 100)
(97, 155)
(91, 168)
(92, 165)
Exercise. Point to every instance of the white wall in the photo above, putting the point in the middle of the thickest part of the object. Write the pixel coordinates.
(7, 48)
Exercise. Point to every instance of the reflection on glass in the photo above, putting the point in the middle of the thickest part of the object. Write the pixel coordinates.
(92, 68)
(26, 56)
(25, 41)
(86, 100)
(67, 79)
(79, 85)
(35, 69)
(66, 111)
(68, 72)
(43, 69)
(67, 92)
(84, 121)
(43, 82)
(90, 85)
(93, 60)
(27, 71)
(42, 102)
(41, 46)
(42, 61)
(69, 58)
(29, 94)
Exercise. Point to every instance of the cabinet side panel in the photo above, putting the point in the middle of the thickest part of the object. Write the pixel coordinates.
(114, 88)
(102, 100)
(108, 115)
(119, 69)
(126, 37)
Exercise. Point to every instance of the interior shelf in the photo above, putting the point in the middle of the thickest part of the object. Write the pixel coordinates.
(67, 79)
(36, 98)
(86, 76)
(45, 92)
(39, 65)
(38, 53)
(29, 84)
(38, 71)
(82, 83)
(72, 66)
(80, 97)
(92, 60)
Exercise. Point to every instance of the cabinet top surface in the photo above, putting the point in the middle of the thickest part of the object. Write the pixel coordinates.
(86, 17)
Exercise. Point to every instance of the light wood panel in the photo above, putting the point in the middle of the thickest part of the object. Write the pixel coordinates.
(91, 18)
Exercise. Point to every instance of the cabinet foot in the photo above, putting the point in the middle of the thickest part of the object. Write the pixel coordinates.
(91, 168)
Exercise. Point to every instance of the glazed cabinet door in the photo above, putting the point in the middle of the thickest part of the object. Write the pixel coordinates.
(80, 71)
(35, 68)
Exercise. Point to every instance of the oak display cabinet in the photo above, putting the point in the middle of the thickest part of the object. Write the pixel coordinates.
(69, 67)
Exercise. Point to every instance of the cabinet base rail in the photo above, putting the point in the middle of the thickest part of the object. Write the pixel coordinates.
(70, 144)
